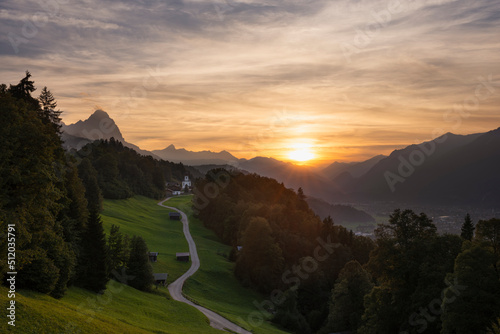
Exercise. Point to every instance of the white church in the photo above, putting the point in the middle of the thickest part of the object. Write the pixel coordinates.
(186, 183)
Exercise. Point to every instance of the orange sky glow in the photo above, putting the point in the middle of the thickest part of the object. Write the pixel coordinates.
(310, 82)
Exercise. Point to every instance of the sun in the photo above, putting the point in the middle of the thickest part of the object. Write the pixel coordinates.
(301, 153)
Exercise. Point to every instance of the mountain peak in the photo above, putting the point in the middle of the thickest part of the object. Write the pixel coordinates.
(98, 126)
(99, 114)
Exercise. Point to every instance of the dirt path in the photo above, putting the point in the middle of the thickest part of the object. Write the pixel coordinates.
(175, 288)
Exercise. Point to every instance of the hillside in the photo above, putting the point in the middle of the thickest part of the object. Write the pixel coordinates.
(355, 169)
(122, 310)
(293, 176)
(341, 214)
(214, 285)
(449, 170)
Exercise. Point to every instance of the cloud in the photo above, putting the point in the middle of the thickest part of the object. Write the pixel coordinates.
(219, 71)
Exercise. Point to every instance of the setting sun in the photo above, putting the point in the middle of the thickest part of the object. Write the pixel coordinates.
(301, 153)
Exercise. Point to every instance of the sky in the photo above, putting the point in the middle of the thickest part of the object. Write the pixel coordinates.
(335, 80)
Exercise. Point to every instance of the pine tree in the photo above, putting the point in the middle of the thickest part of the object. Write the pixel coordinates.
(93, 194)
(32, 191)
(467, 229)
(93, 273)
(23, 89)
(116, 248)
(138, 267)
(48, 109)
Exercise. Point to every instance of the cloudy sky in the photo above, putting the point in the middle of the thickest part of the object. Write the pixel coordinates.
(345, 79)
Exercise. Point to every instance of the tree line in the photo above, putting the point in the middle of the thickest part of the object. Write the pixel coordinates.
(123, 173)
(409, 280)
(54, 200)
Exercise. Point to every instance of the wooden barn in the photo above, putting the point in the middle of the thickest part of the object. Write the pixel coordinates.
(174, 216)
(184, 257)
(161, 279)
(153, 256)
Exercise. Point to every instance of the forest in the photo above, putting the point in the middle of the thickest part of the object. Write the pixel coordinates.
(53, 199)
(409, 280)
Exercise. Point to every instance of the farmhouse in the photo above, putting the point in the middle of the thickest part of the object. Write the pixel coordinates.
(174, 216)
(161, 279)
(175, 190)
(184, 257)
(153, 256)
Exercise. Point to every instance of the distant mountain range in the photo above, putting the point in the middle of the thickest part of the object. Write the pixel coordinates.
(195, 158)
(101, 126)
(449, 170)
(354, 169)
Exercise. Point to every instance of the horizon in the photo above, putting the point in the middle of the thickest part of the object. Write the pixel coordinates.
(296, 160)
(304, 82)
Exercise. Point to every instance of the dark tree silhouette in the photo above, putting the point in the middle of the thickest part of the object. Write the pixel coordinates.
(467, 229)
(139, 270)
(94, 260)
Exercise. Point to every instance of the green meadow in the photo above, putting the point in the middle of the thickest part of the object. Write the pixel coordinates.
(125, 310)
(120, 310)
(214, 285)
(142, 216)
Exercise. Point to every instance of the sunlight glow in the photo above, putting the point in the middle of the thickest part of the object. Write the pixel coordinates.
(301, 153)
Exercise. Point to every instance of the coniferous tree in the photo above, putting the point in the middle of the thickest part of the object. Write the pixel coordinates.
(467, 229)
(22, 91)
(33, 191)
(139, 269)
(93, 268)
(93, 194)
(117, 251)
(48, 109)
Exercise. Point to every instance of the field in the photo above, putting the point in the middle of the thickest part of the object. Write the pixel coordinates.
(141, 216)
(121, 310)
(125, 310)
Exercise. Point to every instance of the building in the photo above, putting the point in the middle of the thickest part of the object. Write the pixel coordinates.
(174, 216)
(153, 256)
(184, 257)
(161, 279)
(175, 190)
(186, 183)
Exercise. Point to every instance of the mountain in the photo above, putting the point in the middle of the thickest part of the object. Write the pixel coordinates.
(293, 176)
(101, 126)
(355, 169)
(449, 170)
(341, 214)
(195, 158)
(98, 126)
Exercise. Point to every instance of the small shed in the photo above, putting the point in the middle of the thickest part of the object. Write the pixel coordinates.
(161, 278)
(153, 256)
(174, 216)
(184, 257)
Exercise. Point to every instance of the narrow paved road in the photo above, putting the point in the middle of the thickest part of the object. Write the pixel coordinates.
(175, 288)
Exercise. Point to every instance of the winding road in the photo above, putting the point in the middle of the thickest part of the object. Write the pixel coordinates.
(175, 288)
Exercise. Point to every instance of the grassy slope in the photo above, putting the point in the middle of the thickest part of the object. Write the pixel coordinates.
(214, 285)
(141, 216)
(126, 310)
(122, 310)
